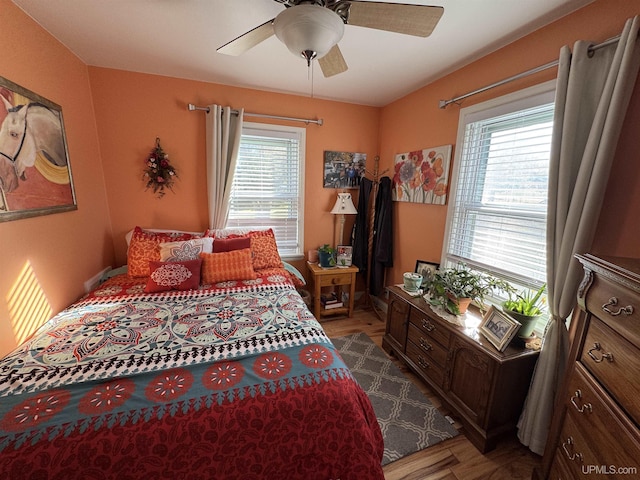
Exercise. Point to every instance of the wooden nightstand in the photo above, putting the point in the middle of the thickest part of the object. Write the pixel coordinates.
(339, 278)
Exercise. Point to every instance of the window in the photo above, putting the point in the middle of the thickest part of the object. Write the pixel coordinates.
(268, 185)
(497, 216)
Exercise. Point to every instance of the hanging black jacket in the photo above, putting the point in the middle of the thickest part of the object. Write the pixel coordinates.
(361, 226)
(382, 256)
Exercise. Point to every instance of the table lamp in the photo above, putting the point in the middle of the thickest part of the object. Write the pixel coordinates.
(344, 206)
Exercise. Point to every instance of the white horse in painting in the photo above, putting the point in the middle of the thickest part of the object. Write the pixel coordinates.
(25, 131)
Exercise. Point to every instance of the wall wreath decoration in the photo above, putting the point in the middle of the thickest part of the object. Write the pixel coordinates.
(159, 174)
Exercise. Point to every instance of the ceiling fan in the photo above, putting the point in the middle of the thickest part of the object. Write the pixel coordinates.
(313, 28)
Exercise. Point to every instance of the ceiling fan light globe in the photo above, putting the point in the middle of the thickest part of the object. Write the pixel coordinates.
(308, 28)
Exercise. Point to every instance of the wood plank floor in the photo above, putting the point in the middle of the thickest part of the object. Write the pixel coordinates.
(454, 459)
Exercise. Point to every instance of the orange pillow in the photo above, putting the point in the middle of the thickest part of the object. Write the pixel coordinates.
(144, 248)
(233, 265)
(265, 253)
(265, 250)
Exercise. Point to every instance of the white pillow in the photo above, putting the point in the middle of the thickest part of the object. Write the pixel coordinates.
(225, 232)
(186, 250)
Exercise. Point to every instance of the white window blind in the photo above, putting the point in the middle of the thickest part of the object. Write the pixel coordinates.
(267, 188)
(497, 216)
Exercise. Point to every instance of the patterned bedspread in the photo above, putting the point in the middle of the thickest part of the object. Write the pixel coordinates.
(235, 380)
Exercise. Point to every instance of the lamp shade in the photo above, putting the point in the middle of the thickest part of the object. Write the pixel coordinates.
(344, 205)
(308, 30)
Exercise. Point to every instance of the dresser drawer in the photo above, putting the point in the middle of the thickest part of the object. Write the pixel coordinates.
(615, 363)
(429, 347)
(560, 470)
(430, 327)
(600, 420)
(334, 279)
(616, 306)
(426, 364)
(576, 453)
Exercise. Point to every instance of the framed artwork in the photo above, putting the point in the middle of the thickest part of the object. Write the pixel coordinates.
(498, 328)
(343, 169)
(426, 269)
(422, 176)
(344, 256)
(35, 174)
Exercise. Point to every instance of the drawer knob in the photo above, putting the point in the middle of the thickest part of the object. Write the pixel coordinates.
(422, 362)
(425, 345)
(584, 408)
(427, 325)
(597, 348)
(572, 455)
(613, 302)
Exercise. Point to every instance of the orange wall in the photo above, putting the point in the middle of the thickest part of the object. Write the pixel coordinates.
(46, 259)
(416, 122)
(132, 109)
(113, 117)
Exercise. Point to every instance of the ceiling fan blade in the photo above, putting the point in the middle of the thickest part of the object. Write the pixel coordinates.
(248, 40)
(417, 20)
(333, 62)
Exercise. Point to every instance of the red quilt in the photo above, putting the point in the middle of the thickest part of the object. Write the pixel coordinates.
(233, 381)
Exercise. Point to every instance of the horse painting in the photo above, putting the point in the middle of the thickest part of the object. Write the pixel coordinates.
(26, 131)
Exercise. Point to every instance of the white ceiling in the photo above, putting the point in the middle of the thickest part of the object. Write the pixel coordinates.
(178, 38)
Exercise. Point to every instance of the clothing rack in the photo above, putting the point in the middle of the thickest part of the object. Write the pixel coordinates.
(592, 48)
(191, 107)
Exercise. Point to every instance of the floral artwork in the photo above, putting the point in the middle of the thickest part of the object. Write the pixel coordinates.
(422, 176)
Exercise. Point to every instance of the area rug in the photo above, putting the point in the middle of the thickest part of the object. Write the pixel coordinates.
(408, 420)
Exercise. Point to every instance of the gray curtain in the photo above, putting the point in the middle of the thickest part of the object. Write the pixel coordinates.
(593, 92)
(224, 130)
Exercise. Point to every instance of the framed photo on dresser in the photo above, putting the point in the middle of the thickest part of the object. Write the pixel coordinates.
(498, 328)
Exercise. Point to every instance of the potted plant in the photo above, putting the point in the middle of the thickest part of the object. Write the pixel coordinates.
(327, 256)
(526, 308)
(455, 288)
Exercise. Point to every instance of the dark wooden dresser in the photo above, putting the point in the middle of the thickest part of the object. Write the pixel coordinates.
(594, 432)
(485, 388)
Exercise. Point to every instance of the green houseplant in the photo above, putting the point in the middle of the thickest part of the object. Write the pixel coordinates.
(455, 288)
(526, 308)
(327, 256)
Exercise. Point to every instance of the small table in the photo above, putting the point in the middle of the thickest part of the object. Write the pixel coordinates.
(332, 277)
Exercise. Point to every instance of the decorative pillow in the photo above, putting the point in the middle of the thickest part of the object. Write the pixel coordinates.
(265, 251)
(143, 248)
(187, 250)
(233, 265)
(233, 232)
(167, 276)
(129, 234)
(228, 244)
(263, 245)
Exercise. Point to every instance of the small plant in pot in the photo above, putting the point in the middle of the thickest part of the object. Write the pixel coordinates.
(526, 308)
(455, 288)
(327, 256)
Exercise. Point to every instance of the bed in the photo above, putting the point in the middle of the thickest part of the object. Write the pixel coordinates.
(228, 379)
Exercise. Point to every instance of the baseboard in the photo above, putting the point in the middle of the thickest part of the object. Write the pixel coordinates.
(95, 280)
(380, 304)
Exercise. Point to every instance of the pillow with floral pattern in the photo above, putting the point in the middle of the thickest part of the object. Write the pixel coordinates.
(165, 276)
(187, 250)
